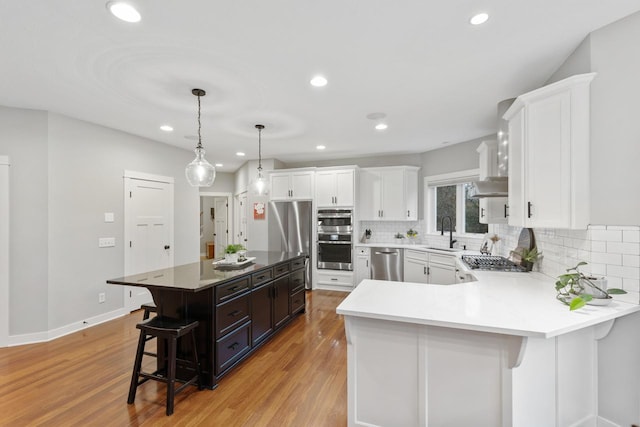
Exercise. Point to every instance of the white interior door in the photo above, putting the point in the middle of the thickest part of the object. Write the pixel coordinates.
(4, 251)
(242, 219)
(148, 230)
(221, 229)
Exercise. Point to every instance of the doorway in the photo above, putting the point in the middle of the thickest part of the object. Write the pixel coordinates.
(148, 230)
(215, 227)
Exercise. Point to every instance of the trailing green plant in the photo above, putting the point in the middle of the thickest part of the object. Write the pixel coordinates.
(399, 236)
(233, 248)
(412, 233)
(572, 288)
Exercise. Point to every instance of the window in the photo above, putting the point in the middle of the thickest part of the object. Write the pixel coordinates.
(448, 198)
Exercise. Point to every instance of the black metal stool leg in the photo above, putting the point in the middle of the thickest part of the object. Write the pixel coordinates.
(136, 368)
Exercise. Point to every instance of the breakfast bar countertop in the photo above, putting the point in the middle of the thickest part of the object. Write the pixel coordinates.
(201, 275)
(522, 304)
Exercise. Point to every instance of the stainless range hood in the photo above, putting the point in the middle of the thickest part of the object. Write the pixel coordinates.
(493, 186)
(497, 183)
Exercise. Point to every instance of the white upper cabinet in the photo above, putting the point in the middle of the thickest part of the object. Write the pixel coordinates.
(335, 188)
(493, 210)
(291, 185)
(389, 193)
(549, 156)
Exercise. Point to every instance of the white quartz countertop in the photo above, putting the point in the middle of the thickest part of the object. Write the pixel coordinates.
(522, 304)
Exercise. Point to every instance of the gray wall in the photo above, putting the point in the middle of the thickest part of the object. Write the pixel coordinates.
(65, 174)
(453, 158)
(23, 137)
(224, 183)
(615, 123)
(615, 129)
(363, 162)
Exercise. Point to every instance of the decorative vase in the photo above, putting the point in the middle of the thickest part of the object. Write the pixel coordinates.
(600, 282)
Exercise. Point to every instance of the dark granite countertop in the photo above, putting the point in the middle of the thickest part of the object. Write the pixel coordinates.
(202, 275)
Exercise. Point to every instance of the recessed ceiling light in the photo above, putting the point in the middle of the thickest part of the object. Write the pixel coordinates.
(318, 81)
(219, 165)
(123, 11)
(478, 19)
(166, 128)
(320, 147)
(240, 154)
(381, 126)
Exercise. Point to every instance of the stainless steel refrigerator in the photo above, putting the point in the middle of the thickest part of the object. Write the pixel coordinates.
(290, 228)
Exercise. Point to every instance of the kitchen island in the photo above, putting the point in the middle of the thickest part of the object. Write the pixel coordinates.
(237, 309)
(500, 351)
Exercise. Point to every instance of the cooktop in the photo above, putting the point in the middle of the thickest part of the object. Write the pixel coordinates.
(489, 262)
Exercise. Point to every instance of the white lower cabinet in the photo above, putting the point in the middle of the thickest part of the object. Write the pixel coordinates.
(363, 268)
(416, 266)
(335, 280)
(429, 267)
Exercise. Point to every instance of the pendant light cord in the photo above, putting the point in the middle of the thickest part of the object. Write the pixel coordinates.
(199, 126)
(260, 149)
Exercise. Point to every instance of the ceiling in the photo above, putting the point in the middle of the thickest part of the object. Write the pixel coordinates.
(436, 77)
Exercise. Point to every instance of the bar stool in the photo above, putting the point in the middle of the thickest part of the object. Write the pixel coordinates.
(169, 330)
(148, 309)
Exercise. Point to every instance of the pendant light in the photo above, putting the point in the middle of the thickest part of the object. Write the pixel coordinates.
(260, 183)
(199, 172)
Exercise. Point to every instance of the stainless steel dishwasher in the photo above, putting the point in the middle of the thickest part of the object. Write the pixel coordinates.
(387, 264)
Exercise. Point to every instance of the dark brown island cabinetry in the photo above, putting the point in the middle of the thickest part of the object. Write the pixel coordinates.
(238, 310)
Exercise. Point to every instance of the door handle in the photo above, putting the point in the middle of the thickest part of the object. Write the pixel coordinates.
(505, 210)
(529, 209)
(408, 214)
(481, 212)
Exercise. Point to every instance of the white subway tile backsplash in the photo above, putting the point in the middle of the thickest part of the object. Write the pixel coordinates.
(623, 248)
(607, 235)
(611, 251)
(631, 285)
(606, 258)
(631, 236)
(624, 272)
(631, 261)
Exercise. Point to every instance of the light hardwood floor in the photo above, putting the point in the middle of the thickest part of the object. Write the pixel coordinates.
(299, 378)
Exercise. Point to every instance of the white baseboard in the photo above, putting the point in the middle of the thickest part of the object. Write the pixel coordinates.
(603, 422)
(36, 337)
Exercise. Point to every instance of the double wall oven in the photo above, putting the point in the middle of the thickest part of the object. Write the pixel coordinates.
(335, 239)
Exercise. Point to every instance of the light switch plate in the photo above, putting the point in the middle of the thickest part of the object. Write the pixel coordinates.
(106, 242)
(109, 217)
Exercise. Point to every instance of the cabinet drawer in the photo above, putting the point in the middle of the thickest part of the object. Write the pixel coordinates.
(280, 269)
(231, 348)
(229, 290)
(342, 279)
(297, 263)
(231, 314)
(296, 281)
(261, 277)
(417, 255)
(442, 259)
(298, 301)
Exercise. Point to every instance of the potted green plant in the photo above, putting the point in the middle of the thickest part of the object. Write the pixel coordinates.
(576, 289)
(529, 257)
(231, 252)
(412, 235)
(399, 237)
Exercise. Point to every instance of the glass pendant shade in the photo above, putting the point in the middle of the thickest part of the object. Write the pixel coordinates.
(260, 185)
(200, 173)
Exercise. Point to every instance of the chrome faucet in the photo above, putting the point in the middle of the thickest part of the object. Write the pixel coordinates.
(451, 239)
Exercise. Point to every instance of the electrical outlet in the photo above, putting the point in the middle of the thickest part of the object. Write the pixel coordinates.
(106, 242)
(102, 297)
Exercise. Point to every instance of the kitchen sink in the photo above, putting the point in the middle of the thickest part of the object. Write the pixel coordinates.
(443, 249)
